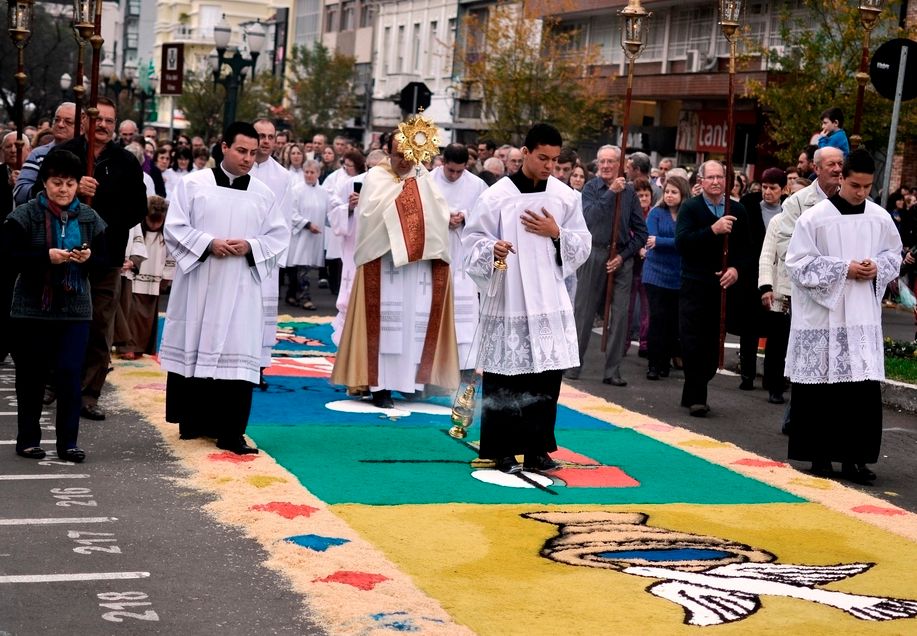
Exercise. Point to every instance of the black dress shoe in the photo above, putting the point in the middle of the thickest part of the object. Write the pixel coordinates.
(33, 452)
(821, 468)
(663, 373)
(75, 455)
(92, 413)
(262, 383)
(858, 474)
(776, 398)
(49, 397)
(615, 381)
(541, 464)
(748, 384)
(383, 399)
(509, 465)
(239, 447)
(652, 374)
(698, 410)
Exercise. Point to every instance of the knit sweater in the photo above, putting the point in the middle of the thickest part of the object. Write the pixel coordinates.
(25, 249)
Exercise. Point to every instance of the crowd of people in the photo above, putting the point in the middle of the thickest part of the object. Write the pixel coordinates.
(443, 262)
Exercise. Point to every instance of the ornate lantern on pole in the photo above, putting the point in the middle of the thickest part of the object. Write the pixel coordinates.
(83, 15)
(870, 10)
(87, 18)
(19, 17)
(730, 21)
(634, 35)
(255, 36)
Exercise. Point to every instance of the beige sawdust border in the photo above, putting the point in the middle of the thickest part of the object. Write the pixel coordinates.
(337, 607)
(826, 492)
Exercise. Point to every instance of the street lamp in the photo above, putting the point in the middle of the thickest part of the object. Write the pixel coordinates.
(113, 83)
(633, 40)
(19, 20)
(144, 95)
(870, 10)
(255, 36)
(87, 21)
(65, 83)
(730, 19)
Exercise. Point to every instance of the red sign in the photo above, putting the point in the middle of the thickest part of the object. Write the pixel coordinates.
(712, 131)
(172, 69)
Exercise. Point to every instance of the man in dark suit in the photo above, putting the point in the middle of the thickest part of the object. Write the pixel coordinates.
(699, 235)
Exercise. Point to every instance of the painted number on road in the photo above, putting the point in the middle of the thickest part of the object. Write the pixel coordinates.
(87, 542)
(119, 601)
(73, 497)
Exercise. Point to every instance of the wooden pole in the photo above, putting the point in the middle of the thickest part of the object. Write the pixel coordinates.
(615, 230)
(730, 182)
(93, 110)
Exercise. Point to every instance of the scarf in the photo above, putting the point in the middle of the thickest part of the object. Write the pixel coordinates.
(62, 231)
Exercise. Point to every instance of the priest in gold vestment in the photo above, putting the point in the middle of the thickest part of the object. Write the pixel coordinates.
(399, 334)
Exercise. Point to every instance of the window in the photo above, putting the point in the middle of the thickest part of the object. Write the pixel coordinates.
(450, 46)
(367, 15)
(308, 22)
(348, 17)
(433, 52)
(210, 15)
(399, 50)
(330, 20)
(415, 45)
(386, 49)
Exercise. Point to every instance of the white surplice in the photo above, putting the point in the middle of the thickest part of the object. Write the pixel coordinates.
(310, 204)
(157, 266)
(330, 184)
(341, 223)
(212, 327)
(836, 332)
(277, 178)
(461, 195)
(528, 326)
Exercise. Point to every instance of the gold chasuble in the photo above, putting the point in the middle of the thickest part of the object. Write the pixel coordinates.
(409, 219)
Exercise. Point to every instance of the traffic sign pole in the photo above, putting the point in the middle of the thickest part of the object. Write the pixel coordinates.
(893, 131)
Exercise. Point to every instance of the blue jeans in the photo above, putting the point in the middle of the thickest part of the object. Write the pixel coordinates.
(38, 347)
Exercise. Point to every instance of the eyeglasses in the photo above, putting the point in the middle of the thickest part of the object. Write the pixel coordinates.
(62, 120)
(715, 177)
(105, 120)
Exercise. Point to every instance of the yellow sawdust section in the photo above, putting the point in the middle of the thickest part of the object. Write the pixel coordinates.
(339, 608)
(826, 492)
(484, 565)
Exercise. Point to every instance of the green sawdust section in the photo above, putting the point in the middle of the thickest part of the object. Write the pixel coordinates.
(386, 465)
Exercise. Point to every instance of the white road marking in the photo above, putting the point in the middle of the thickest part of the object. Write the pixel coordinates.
(87, 576)
(9, 442)
(26, 477)
(45, 521)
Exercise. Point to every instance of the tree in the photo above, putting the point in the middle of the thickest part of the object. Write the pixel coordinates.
(530, 71)
(817, 69)
(202, 102)
(321, 91)
(50, 53)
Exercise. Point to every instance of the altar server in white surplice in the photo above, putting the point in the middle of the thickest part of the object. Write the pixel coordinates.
(535, 223)
(843, 254)
(461, 190)
(399, 333)
(227, 236)
(267, 170)
(341, 222)
(311, 205)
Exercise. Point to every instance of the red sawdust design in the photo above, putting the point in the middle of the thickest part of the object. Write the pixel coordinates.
(231, 458)
(878, 510)
(361, 580)
(285, 509)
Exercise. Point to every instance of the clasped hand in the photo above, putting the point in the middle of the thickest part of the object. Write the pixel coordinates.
(229, 247)
(862, 270)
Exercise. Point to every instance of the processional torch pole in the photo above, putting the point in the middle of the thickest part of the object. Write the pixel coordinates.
(730, 14)
(82, 31)
(19, 19)
(633, 40)
(87, 16)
